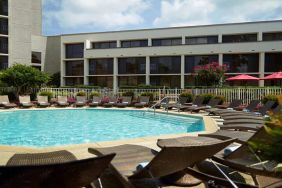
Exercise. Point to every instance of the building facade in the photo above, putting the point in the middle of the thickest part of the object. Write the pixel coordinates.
(160, 57)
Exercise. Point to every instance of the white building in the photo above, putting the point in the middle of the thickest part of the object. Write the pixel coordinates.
(165, 56)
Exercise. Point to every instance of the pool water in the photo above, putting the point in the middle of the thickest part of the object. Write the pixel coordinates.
(42, 128)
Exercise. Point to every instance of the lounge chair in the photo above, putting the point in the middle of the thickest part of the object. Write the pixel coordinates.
(234, 104)
(153, 164)
(143, 101)
(196, 103)
(126, 101)
(277, 109)
(54, 169)
(250, 107)
(212, 103)
(112, 102)
(80, 101)
(5, 102)
(42, 101)
(224, 108)
(62, 101)
(180, 102)
(96, 101)
(25, 101)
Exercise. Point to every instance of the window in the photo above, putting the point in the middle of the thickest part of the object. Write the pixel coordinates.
(101, 66)
(4, 7)
(102, 81)
(189, 81)
(165, 65)
(192, 61)
(272, 36)
(241, 63)
(273, 62)
(131, 80)
(3, 26)
(239, 38)
(73, 81)
(168, 81)
(36, 57)
(74, 68)
(4, 45)
(132, 65)
(3, 62)
(134, 43)
(202, 40)
(104, 45)
(167, 42)
(74, 50)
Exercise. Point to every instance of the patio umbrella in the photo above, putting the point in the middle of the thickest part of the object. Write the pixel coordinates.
(244, 78)
(274, 76)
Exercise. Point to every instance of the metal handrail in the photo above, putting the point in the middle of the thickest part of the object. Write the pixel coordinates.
(154, 106)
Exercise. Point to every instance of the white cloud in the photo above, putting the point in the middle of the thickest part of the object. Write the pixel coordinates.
(199, 12)
(101, 13)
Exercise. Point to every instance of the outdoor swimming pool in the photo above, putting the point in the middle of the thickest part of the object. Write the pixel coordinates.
(42, 128)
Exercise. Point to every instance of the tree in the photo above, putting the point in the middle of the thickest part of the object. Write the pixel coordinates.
(23, 78)
(55, 80)
(210, 74)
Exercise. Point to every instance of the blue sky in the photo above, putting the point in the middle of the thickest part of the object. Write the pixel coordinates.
(78, 16)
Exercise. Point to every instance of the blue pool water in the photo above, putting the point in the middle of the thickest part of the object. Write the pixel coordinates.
(62, 127)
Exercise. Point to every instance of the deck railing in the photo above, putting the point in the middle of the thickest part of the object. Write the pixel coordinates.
(246, 94)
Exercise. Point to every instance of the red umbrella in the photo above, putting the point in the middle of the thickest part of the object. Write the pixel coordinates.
(242, 77)
(274, 76)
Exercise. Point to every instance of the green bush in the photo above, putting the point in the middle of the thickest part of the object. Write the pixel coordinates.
(207, 97)
(81, 93)
(94, 94)
(148, 94)
(49, 94)
(189, 95)
(270, 98)
(128, 94)
(221, 98)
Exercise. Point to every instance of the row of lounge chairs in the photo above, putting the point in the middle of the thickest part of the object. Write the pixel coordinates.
(62, 101)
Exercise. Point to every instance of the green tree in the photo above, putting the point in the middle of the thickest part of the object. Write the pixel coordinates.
(55, 80)
(23, 78)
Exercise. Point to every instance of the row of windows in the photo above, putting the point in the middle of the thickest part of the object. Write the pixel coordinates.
(4, 7)
(237, 63)
(3, 26)
(3, 62)
(4, 45)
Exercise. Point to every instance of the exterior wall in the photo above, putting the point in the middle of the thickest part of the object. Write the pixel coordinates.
(220, 48)
(38, 44)
(53, 55)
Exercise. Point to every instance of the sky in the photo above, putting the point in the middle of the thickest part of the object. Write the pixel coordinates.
(80, 16)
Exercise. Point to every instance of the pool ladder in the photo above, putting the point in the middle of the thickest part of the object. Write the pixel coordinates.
(164, 102)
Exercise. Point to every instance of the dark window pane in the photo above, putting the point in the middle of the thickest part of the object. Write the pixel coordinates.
(241, 63)
(36, 57)
(3, 26)
(74, 68)
(73, 81)
(189, 80)
(132, 65)
(131, 80)
(167, 42)
(102, 81)
(3, 62)
(272, 36)
(104, 45)
(165, 65)
(134, 43)
(4, 45)
(192, 61)
(75, 50)
(273, 62)
(239, 38)
(4, 7)
(202, 40)
(168, 81)
(101, 66)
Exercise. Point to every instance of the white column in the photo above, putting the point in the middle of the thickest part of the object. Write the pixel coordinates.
(115, 80)
(182, 71)
(63, 65)
(220, 59)
(183, 40)
(149, 42)
(118, 43)
(261, 68)
(86, 71)
(260, 36)
(147, 70)
(220, 38)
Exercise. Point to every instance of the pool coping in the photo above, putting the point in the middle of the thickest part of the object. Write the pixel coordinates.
(80, 150)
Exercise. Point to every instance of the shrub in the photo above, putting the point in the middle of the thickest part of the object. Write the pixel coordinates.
(94, 94)
(207, 97)
(270, 98)
(189, 95)
(81, 93)
(148, 94)
(49, 94)
(55, 80)
(128, 94)
(221, 98)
